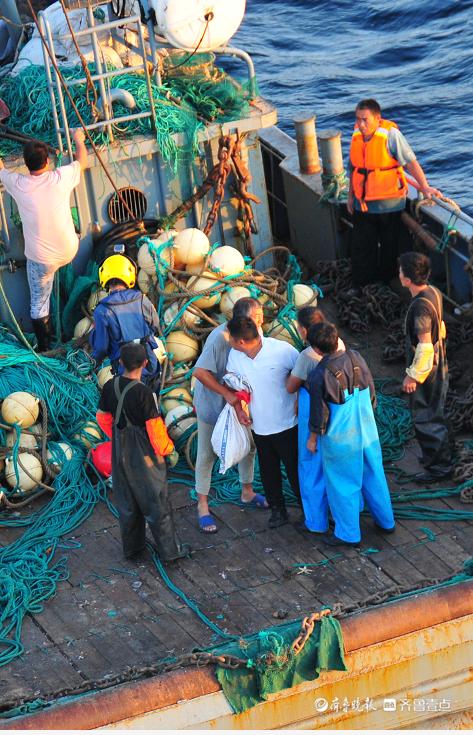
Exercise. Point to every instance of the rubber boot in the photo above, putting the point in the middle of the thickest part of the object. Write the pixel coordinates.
(43, 330)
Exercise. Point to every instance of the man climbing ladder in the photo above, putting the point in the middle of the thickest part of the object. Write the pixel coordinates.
(43, 200)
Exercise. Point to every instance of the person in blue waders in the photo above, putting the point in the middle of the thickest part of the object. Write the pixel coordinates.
(342, 425)
(311, 477)
(125, 315)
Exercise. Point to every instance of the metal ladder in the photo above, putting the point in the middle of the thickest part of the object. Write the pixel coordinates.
(61, 122)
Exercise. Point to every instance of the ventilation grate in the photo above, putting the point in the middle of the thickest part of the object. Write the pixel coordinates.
(135, 200)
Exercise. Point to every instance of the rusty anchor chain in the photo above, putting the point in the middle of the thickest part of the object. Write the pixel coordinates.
(307, 628)
(225, 148)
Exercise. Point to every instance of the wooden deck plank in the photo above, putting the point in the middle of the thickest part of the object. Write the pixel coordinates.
(398, 567)
(425, 560)
(25, 677)
(234, 613)
(239, 577)
(447, 548)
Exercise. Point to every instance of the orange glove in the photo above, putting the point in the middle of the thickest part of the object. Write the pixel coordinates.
(159, 438)
(105, 421)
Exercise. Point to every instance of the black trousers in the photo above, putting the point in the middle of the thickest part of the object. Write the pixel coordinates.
(272, 450)
(427, 405)
(371, 262)
(140, 494)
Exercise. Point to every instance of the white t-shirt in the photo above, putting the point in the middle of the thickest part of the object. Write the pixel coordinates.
(44, 205)
(272, 408)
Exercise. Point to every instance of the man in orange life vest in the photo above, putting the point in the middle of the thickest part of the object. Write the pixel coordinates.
(377, 195)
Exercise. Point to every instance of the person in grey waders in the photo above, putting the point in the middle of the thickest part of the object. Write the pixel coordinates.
(128, 412)
(426, 380)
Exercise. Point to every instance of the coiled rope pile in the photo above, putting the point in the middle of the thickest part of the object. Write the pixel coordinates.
(29, 567)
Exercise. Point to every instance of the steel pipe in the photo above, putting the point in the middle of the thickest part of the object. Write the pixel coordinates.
(307, 149)
(331, 151)
(106, 75)
(445, 205)
(123, 118)
(103, 27)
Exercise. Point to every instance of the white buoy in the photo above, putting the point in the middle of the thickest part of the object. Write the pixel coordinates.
(229, 298)
(226, 261)
(191, 246)
(94, 298)
(62, 452)
(83, 327)
(195, 269)
(177, 428)
(104, 375)
(182, 347)
(170, 288)
(27, 441)
(88, 434)
(176, 397)
(20, 408)
(303, 295)
(202, 283)
(32, 464)
(210, 23)
(178, 372)
(278, 331)
(146, 261)
(145, 281)
(189, 319)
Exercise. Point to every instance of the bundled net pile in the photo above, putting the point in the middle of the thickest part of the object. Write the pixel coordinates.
(183, 104)
(31, 566)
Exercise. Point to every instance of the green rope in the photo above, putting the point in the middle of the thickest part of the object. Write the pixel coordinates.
(448, 231)
(335, 187)
(214, 100)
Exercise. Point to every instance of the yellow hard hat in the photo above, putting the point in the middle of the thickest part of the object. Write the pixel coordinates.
(120, 267)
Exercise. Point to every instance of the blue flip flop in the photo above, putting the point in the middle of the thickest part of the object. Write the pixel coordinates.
(205, 522)
(258, 501)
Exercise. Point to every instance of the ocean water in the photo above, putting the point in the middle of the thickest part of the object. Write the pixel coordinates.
(414, 56)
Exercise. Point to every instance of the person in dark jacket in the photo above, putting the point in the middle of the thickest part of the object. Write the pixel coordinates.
(342, 398)
(128, 412)
(125, 315)
(426, 380)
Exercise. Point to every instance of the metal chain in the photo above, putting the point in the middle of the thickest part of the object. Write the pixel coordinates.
(307, 628)
(244, 197)
(225, 147)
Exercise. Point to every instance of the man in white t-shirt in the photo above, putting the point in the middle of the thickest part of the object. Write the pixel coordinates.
(43, 201)
(266, 364)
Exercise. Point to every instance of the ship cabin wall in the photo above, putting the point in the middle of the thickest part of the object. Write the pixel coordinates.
(139, 163)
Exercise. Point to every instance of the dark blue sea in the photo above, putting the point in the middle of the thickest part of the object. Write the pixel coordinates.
(414, 56)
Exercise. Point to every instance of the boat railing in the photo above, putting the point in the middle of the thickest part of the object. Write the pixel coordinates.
(61, 122)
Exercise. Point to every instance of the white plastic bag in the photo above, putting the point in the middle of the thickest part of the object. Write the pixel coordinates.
(231, 441)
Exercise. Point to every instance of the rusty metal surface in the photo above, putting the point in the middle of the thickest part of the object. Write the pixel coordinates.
(415, 613)
(385, 623)
(129, 700)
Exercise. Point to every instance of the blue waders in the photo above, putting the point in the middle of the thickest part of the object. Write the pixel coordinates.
(311, 475)
(352, 462)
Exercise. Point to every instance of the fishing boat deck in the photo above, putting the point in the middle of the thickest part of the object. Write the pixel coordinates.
(112, 614)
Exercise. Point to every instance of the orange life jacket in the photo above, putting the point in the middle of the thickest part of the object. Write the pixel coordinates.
(376, 174)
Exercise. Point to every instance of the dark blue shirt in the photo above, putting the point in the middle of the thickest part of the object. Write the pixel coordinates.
(325, 388)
